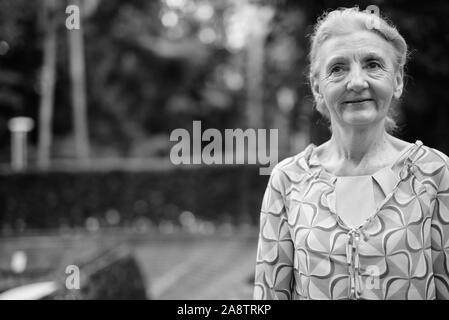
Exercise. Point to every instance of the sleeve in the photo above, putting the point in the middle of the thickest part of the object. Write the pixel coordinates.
(440, 235)
(274, 263)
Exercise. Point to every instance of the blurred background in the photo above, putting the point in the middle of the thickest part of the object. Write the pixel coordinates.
(85, 120)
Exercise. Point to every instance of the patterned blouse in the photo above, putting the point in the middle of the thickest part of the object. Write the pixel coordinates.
(401, 251)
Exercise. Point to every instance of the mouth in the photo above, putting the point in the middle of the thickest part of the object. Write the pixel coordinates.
(358, 100)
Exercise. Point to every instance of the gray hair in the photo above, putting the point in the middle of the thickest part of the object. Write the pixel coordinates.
(345, 21)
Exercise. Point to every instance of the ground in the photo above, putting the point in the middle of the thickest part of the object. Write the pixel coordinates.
(178, 266)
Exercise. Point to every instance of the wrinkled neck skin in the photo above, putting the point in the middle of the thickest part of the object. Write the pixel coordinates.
(355, 150)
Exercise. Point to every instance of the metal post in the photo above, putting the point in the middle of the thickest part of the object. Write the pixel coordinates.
(19, 127)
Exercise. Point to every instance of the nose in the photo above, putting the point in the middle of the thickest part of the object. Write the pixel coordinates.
(357, 81)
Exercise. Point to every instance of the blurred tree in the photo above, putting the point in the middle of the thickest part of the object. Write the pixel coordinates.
(165, 66)
(78, 85)
(48, 79)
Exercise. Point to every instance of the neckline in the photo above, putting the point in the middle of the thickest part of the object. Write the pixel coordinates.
(316, 170)
(313, 160)
(364, 175)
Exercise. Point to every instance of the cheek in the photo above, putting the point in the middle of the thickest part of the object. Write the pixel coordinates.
(383, 85)
(383, 90)
(332, 90)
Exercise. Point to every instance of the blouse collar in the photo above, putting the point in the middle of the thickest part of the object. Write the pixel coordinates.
(386, 177)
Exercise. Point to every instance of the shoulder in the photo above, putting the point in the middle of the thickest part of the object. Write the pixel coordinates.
(427, 155)
(298, 163)
(432, 164)
(292, 169)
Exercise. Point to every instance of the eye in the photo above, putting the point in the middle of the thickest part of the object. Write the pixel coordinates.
(336, 69)
(373, 65)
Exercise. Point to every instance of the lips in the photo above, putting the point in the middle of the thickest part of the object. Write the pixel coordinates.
(358, 100)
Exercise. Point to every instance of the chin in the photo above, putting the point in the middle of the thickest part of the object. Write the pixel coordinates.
(361, 118)
(361, 121)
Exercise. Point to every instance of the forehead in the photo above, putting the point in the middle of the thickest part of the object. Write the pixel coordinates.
(356, 45)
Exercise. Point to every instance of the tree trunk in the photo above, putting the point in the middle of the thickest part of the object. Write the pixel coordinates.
(255, 69)
(256, 65)
(78, 83)
(47, 83)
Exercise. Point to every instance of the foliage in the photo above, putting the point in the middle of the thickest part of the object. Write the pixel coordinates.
(66, 199)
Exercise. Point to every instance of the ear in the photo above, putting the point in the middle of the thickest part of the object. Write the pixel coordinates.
(398, 83)
(314, 84)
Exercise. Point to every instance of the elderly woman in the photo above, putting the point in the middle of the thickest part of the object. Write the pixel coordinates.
(364, 215)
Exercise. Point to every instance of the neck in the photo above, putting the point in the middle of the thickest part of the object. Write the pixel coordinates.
(357, 144)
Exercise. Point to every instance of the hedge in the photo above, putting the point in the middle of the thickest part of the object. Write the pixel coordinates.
(42, 200)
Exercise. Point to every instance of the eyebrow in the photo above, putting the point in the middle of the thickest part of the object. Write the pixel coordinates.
(374, 56)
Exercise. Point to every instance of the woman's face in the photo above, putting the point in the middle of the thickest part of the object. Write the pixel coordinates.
(357, 78)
